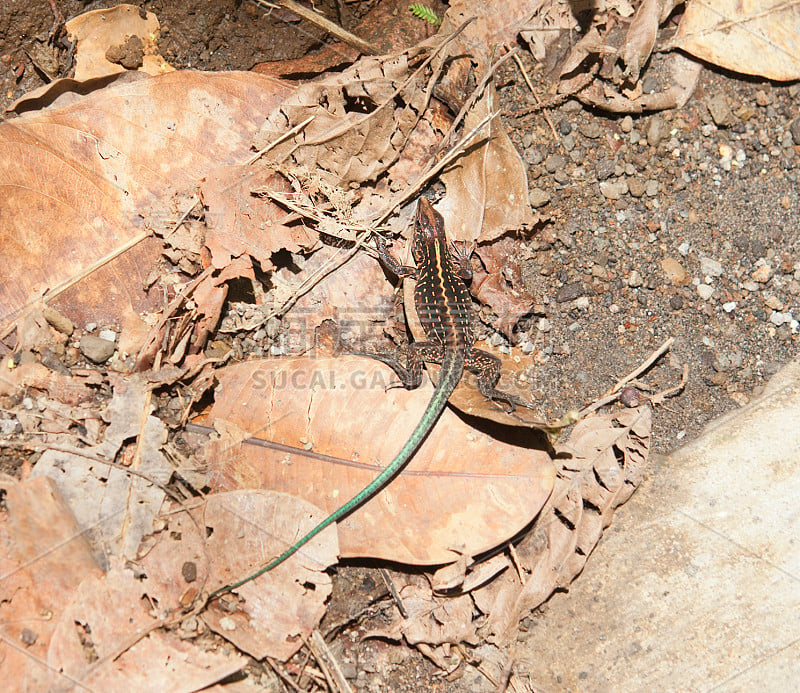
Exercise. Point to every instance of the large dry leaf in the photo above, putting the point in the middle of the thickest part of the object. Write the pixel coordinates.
(81, 181)
(43, 558)
(755, 37)
(452, 499)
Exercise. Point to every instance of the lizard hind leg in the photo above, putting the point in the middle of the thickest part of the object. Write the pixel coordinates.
(487, 367)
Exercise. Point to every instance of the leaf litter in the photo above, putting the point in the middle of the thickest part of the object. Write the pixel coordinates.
(339, 153)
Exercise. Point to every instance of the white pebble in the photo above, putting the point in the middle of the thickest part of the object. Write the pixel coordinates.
(705, 291)
(729, 306)
(683, 248)
(544, 325)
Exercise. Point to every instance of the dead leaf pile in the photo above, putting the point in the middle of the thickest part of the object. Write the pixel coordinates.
(141, 209)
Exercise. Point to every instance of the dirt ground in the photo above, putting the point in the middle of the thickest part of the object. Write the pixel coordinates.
(702, 246)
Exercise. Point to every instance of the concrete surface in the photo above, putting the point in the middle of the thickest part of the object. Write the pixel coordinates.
(696, 585)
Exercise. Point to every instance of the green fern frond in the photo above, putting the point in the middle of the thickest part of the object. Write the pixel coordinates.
(425, 12)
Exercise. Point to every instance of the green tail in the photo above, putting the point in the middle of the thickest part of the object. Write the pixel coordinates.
(450, 374)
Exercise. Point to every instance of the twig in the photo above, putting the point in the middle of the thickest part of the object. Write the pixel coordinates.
(285, 136)
(524, 72)
(468, 104)
(324, 23)
(328, 663)
(613, 393)
(393, 591)
(644, 366)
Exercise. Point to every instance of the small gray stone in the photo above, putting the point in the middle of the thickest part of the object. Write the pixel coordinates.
(710, 267)
(613, 189)
(720, 111)
(110, 335)
(96, 349)
(705, 291)
(538, 197)
(554, 162)
(569, 292)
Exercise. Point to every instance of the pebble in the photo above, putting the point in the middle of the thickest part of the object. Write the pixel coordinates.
(554, 162)
(107, 334)
(613, 189)
(635, 279)
(538, 197)
(656, 131)
(581, 303)
(652, 188)
(762, 274)
(544, 325)
(636, 186)
(773, 302)
(569, 292)
(676, 302)
(626, 124)
(720, 111)
(60, 322)
(91, 326)
(590, 130)
(729, 307)
(777, 318)
(674, 271)
(683, 248)
(710, 267)
(705, 291)
(794, 129)
(96, 348)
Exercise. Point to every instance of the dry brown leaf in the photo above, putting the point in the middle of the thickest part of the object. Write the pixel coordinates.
(641, 35)
(761, 37)
(116, 39)
(101, 640)
(487, 188)
(239, 222)
(272, 615)
(451, 500)
(358, 128)
(604, 460)
(96, 173)
(115, 509)
(278, 610)
(43, 558)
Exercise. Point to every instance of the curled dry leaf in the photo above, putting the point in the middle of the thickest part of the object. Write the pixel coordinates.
(114, 40)
(604, 460)
(96, 173)
(756, 38)
(357, 127)
(450, 500)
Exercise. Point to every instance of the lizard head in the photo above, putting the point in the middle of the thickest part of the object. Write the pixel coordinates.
(429, 224)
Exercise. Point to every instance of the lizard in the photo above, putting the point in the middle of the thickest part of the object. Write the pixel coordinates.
(444, 307)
